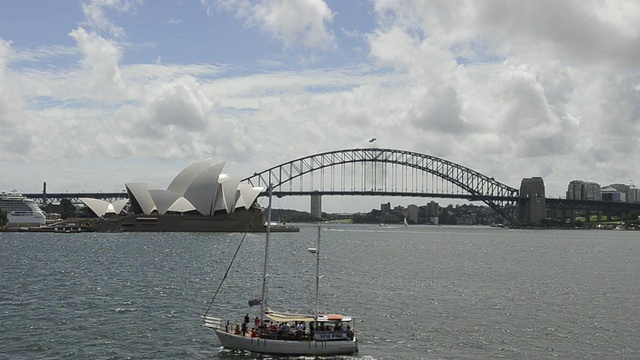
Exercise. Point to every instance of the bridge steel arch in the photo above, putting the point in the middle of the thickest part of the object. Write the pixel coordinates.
(390, 172)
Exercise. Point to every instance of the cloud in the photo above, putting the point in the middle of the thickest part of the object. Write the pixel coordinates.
(509, 89)
(96, 17)
(586, 32)
(302, 22)
(100, 74)
(180, 104)
(5, 93)
(516, 81)
(579, 31)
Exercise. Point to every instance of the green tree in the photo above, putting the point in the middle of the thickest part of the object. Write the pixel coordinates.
(3, 218)
(68, 209)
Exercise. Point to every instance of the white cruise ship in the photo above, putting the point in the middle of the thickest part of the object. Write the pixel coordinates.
(20, 210)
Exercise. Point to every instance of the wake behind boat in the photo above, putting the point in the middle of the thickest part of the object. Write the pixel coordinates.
(280, 333)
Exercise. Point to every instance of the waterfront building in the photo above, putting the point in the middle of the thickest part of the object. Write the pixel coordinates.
(200, 188)
(411, 213)
(101, 207)
(584, 190)
(634, 195)
(612, 194)
(574, 190)
(433, 211)
(385, 208)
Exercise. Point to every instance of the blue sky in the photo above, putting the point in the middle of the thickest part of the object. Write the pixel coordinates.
(97, 93)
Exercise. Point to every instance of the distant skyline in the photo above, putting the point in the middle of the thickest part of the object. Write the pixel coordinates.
(94, 94)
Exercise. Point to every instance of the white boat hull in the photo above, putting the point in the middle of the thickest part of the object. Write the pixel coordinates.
(286, 347)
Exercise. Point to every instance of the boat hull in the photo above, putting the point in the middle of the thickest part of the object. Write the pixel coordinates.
(286, 347)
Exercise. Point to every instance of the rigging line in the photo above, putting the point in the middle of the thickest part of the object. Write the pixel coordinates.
(228, 268)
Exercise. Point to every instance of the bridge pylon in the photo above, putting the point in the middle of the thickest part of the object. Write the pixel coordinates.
(532, 204)
(316, 205)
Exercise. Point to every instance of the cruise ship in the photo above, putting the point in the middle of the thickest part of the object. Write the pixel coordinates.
(20, 210)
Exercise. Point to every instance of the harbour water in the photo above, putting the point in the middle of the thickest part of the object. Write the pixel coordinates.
(420, 292)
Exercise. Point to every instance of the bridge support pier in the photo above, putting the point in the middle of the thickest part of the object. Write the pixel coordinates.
(316, 205)
(532, 205)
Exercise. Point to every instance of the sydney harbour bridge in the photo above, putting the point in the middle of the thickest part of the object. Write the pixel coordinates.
(390, 172)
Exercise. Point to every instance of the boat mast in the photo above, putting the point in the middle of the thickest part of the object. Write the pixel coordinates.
(266, 259)
(318, 275)
(316, 252)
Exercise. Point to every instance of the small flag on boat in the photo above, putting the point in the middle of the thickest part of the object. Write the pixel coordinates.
(372, 140)
(254, 302)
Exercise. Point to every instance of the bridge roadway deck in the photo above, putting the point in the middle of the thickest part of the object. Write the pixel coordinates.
(551, 203)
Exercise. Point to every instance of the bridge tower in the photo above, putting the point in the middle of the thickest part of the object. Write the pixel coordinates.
(316, 205)
(532, 204)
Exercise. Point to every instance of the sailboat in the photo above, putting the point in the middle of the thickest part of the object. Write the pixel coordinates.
(406, 224)
(286, 333)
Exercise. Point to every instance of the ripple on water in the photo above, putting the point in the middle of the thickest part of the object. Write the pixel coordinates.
(422, 293)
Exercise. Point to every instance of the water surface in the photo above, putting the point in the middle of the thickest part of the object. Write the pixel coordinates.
(422, 292)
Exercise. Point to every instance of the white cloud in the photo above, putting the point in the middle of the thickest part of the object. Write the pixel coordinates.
(302, 22)
(177, 105)
(100, 75)
(510, 89)
(5, 93)
(553, 90)
(96, 17)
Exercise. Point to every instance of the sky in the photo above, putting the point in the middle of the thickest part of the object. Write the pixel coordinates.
(94, 94)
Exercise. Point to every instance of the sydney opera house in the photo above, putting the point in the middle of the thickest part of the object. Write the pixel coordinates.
(200, 198)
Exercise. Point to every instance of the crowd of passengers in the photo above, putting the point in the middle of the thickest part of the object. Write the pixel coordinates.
(284, 331)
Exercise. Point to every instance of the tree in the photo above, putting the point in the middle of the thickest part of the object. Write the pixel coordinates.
(68, 209)
(3, 219)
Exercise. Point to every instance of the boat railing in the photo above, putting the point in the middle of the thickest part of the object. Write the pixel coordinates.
(213, 322)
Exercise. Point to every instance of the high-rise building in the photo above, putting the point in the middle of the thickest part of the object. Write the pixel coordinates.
(610, 193)
(575, 189)
(385, 208)
(634, 195)
(592, 191)
(626, 190)
(583, 190)
(433, 209)
(412, 213)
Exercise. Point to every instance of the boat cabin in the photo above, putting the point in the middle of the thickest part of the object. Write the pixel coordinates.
(329, 327)
(332, 327)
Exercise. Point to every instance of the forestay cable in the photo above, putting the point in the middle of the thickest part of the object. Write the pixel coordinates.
(227, 272)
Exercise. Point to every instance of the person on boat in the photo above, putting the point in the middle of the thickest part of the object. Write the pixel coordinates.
(246, 319)
(254, 333)
(244, 328)
(237, 330)
(299, 330)
(286, 329)
(349, 333)
(256, 322)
